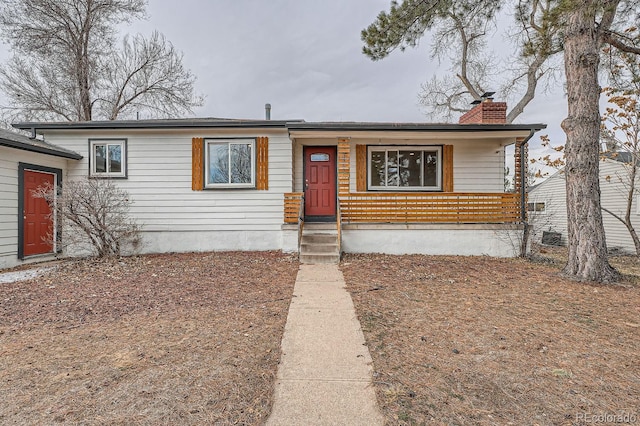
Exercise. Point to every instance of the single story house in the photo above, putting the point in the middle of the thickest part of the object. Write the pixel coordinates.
(25, 221)
(548, 206)
(224, 184)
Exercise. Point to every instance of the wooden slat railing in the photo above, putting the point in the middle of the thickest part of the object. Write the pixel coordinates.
(430, 207)
(292, 201)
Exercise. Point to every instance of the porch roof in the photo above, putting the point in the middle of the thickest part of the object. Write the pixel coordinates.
(413, 131)
(411, 127)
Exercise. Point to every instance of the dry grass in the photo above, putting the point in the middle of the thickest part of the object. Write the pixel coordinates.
(168, 339)
(484, 341)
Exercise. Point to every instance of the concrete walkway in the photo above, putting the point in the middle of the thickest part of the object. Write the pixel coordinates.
(324, 377)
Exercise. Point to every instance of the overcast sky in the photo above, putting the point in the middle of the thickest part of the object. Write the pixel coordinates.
(304, 57)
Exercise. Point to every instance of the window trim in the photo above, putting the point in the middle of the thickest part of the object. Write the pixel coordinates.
(207, 141)
(532, 207)
(124, 173)
(439, 170)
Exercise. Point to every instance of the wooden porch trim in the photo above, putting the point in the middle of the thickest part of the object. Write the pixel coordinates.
(344, 165)
(440, 207)
(292, 201)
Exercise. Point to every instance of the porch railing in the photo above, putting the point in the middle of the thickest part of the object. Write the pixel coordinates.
(430, 207)
(294, 212)
(292, 202)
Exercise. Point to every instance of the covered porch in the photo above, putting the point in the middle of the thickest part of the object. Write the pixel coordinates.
(412, 188)
(446, 205)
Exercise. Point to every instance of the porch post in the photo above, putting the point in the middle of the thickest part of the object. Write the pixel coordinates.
(520, 176)
(344, 166)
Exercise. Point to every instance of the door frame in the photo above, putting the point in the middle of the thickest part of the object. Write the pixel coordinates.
(57, 226)
(329, 218)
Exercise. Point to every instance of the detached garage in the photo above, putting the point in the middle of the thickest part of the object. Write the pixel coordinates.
(25, 221)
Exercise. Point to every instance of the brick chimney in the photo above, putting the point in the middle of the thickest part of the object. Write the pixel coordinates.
(486, 112)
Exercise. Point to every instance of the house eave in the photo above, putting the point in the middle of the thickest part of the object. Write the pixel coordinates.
(411, 127)
(151, 124)
(39, 149)
(411, 131)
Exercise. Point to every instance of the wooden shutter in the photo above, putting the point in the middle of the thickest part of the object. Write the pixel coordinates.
(361, 168)
(197, 164)
(262, 163)
(447, 168)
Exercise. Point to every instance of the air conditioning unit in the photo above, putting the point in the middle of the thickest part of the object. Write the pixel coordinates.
(551, 238)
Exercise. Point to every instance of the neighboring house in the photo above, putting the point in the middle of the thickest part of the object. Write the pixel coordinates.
(548, 206)
(222, 184)
(25, 221)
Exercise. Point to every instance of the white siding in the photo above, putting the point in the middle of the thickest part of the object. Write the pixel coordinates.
(614, 193)
(159, 183)
(478, 165)
(9, 160)
(613, 178)
(552, 192)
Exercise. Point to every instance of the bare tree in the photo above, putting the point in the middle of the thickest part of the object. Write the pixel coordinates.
(66, 64)
(94, 215)
(460, 34)
(148, 75)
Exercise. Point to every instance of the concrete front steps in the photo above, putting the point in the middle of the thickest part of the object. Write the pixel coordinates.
(319, 244)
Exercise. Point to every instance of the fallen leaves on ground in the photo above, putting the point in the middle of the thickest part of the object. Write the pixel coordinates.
(164, 339)
(485, 341)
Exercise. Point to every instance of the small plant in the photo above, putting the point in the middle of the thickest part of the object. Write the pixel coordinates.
(94, 217)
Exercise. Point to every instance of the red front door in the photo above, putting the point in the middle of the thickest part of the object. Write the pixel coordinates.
(320, 181)
(38, 223)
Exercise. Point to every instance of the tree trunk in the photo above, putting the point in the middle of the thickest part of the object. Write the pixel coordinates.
(630, 195)
(587, 246)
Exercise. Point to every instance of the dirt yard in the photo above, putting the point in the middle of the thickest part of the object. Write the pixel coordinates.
(482, 341)
(168, 339)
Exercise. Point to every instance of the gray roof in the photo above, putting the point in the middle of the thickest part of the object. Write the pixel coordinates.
(418, 127)
(14, 140)
(298, 125)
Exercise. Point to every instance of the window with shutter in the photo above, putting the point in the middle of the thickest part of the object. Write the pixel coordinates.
(230, 163)
(405, 168)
